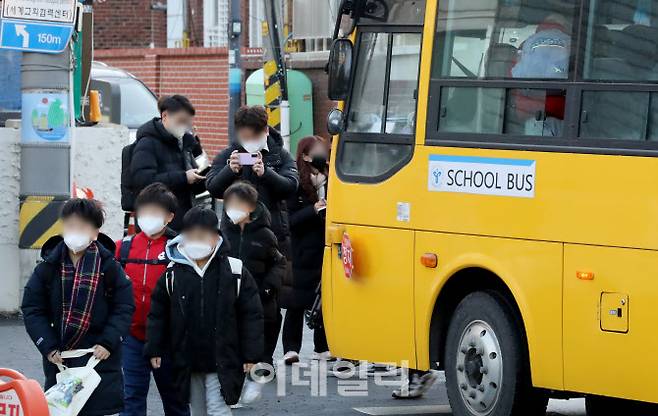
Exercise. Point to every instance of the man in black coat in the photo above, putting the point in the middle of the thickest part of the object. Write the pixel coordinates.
(165, 152)
(246, 226)
(205, 310)
(109, 306)
(272, 171)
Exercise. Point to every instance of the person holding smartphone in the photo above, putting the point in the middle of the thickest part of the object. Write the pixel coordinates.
(168, 151)
(307, 222)
(258, 157)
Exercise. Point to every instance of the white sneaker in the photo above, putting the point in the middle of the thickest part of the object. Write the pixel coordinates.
(415, 386)
(322, 356)
(291, 357)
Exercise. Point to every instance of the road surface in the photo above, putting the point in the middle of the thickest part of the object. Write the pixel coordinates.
(302, 390)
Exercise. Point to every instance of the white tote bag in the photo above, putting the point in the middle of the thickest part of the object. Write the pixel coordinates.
(74, 385)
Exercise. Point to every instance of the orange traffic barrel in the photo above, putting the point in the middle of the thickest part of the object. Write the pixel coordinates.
(20, 396)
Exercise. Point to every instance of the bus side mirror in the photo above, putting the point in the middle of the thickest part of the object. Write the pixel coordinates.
(340, 69)
(335, 122)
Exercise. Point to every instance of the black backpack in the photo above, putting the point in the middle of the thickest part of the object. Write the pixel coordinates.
(124, 254)
(128, 192)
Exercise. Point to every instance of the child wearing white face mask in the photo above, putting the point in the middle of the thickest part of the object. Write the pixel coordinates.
(246, 225)
(143, 258)
(205, 310)
(77, 298)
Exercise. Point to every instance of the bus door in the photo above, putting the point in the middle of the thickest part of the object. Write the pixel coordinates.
(371, 314)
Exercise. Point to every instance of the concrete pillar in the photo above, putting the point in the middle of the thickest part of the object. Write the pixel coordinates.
(9, 189)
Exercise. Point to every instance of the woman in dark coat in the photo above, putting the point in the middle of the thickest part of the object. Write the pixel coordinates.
(307, 223)
(79, 298)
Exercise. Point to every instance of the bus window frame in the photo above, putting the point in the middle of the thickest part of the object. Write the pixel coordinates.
(575, 85)
(378, 138)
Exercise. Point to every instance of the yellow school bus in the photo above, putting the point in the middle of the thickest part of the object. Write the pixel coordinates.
(494, 167)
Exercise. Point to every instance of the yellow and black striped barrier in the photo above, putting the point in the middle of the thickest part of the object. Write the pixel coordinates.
(38, 220)
(272, 84)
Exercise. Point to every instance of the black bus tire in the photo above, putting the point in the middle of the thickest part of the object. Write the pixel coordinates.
(484, 333)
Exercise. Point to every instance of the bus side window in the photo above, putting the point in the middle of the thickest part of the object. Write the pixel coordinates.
(402, 84)
(371, 99)
(516, 111)
(471, 109)
(382, 107)
(622, 41)
(478, 43)
(614, 114)
(371, 159)
(621, 46)
(367, 105)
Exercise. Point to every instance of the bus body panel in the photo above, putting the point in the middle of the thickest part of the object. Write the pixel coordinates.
(531, 270)
(609, 363)
(372, 312)
(578, 198)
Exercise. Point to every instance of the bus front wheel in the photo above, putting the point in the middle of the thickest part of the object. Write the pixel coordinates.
(487, 373)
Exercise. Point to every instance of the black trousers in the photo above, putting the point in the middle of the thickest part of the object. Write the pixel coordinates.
(293, 330)
(273, 320)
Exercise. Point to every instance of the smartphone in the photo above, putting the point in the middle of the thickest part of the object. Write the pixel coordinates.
(322, 208)
(248, 159)
(202, 162)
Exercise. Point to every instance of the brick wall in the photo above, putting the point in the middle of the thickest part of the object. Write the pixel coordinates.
(201, 74)
(132, 24)
(129, 24)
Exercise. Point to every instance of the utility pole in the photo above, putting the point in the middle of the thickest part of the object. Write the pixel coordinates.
(234, 65)
(274, 74)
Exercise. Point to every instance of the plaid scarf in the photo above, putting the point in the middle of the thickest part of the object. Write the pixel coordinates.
(79, 284)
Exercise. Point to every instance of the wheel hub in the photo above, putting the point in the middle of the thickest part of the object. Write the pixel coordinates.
(472, 366)
(479, 367)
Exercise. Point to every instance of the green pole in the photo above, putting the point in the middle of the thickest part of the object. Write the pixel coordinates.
(77, 72)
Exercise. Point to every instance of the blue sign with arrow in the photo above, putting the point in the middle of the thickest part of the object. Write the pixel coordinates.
(34, 36)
